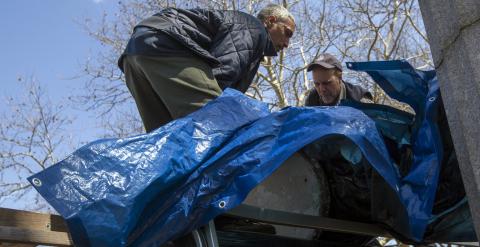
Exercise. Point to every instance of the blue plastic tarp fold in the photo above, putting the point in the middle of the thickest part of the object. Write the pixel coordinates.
(420, 90)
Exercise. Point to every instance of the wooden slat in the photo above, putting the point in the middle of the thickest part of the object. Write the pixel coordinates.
(23, 235)
(25, 228)
(31, 220)
(16, 245)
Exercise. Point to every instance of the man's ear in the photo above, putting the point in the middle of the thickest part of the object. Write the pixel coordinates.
(338, 74)
(270, 20)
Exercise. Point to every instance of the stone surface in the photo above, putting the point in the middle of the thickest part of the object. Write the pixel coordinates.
(294, 187)
(453, 30)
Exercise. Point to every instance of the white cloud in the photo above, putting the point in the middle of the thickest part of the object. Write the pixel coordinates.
(97, 1)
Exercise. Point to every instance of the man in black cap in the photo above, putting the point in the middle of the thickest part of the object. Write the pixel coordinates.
(329, 88)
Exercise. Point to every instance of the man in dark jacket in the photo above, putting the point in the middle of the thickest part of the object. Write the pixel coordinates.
(178, 60)
(329, 88)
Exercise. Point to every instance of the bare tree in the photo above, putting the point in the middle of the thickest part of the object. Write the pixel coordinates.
(121, 123)
(353, 30)
(30, 140)
(384, 30)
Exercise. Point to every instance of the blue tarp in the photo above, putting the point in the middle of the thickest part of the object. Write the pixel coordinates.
(421, 91)
(166, 183)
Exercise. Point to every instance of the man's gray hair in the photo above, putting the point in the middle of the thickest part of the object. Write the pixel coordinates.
(275, 10)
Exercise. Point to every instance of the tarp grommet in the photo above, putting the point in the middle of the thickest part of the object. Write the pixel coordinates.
(37, 182)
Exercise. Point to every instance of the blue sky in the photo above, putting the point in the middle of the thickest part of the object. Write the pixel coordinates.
(42, 38)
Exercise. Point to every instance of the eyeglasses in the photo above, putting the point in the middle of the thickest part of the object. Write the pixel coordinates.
(286, 30)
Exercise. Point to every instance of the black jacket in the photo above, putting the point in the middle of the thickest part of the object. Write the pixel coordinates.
(231, 42)
(352, 92)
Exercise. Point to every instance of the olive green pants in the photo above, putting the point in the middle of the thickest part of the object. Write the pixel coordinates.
(167, 88)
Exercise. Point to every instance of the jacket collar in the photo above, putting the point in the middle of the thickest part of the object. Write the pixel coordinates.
(269, 48)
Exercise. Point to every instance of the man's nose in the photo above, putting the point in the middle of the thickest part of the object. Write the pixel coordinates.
(323, 89)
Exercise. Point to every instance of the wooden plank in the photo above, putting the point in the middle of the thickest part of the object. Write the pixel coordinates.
(23, 228)
(26, 236)
(16, 245)
(31, 220)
